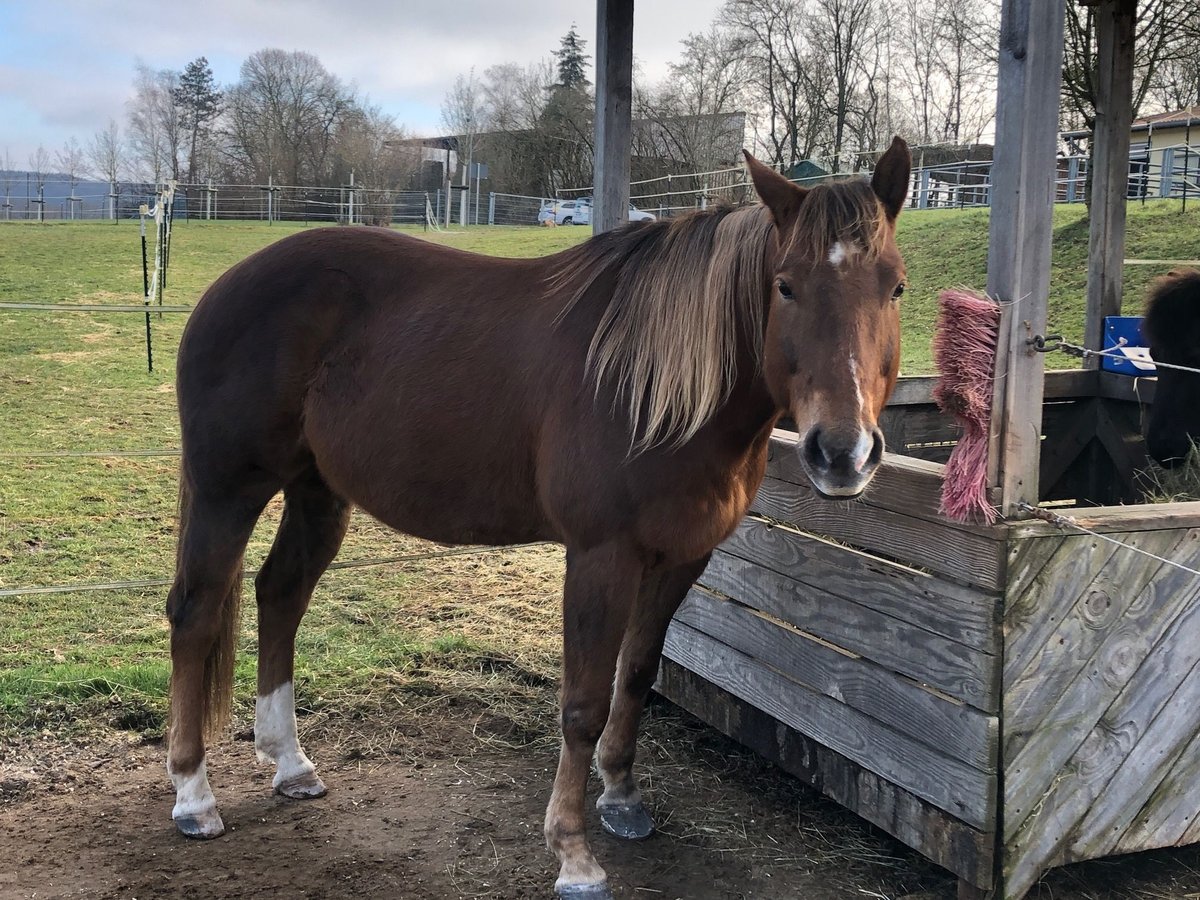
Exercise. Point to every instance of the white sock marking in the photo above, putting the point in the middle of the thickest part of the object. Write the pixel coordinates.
(275, 735)
(193, 796)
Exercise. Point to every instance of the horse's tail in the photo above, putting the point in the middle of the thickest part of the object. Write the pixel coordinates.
(219, 664)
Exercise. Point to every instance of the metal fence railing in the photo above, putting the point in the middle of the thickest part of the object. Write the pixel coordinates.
(1165, 172)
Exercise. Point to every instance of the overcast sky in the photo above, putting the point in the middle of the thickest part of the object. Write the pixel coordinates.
(66, 66)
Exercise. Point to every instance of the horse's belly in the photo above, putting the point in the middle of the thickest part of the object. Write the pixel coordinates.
(440, 486)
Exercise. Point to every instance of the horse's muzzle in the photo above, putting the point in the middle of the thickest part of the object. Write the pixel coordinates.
(841, 462)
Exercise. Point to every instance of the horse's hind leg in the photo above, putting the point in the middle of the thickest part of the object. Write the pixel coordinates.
(622, 812)
(203, 610)
(314, 523)
(600, 588)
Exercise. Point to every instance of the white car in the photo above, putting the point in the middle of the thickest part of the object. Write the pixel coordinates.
(579, 212)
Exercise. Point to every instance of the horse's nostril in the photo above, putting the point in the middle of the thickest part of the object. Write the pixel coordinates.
(814, 452)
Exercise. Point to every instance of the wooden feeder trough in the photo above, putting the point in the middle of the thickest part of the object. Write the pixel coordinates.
(1003, 698)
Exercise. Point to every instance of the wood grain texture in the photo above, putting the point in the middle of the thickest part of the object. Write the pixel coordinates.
(955, 729)
(1076, 692)
(967, 615)
(953, 668)
(964, 792)
(967, 556)
(945, 840)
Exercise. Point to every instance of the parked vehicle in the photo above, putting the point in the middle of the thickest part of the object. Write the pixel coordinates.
(579, 212)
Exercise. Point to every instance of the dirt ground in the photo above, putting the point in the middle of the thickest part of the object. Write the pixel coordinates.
(449, 804)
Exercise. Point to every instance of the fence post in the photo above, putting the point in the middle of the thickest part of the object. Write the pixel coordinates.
(923, 195)
(491, 207)
(1072, 176)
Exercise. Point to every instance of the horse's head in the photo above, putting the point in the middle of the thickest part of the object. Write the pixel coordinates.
(832, 350)
(1172, 326)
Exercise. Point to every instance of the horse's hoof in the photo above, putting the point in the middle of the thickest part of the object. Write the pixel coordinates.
(201, 827)
(584, 891)
(303, 787)
(629, 823)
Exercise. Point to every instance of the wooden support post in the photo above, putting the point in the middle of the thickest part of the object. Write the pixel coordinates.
(1110, 155)
(1023, 175)
(614, 113)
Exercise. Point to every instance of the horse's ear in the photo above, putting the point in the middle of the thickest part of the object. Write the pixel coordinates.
(781, 197)
(890, 181)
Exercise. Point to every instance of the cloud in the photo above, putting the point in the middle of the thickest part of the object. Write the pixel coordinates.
(69, 64)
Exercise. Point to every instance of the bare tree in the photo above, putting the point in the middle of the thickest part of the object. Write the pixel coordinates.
(155, 130)
(7, 177)
(1159, 39)
(106, 153)
(693, 117)
(463, 114)
(70, 161)
(39, 162)
(283, 117)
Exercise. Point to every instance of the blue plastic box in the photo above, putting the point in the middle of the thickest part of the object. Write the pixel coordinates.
(1129, 328)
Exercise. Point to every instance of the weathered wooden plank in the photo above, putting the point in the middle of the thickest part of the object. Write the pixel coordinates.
(1115, 386)
(919, 432)
(1033, 614)
(1113, 80)
(950, 727)
(1126, 451)
(967, 852)
(960, 671)
(961, 790)
(917, 390)
(1064, 443)
(1111, 519)
(1023, 171)
(966, 615)
(1172, 808)
(963, 555)
(1048, 739)
(1148, 684)
(614, 113)
(1026, 559)
(1087, 592)
(1150, 760)
(901, 484)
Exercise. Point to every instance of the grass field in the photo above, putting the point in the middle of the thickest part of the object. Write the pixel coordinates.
(77, 382)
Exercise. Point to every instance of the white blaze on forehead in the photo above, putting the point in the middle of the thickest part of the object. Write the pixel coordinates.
(275, 735)
(837, 254)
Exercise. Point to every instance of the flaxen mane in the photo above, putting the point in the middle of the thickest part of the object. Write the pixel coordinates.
(684, 288)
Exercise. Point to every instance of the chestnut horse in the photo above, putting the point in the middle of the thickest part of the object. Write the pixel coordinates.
(1172, 328)
(617, 397)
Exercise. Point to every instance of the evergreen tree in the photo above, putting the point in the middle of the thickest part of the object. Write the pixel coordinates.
(572, 62)
(198, 100)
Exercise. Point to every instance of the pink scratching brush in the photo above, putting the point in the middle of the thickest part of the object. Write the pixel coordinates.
(964, 349)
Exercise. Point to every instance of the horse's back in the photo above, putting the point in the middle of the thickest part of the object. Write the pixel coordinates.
(404, 372)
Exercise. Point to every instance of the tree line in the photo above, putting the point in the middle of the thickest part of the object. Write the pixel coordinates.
(824, 80)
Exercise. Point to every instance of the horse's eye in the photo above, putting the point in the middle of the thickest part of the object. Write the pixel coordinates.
(898, 291)
(785, 289)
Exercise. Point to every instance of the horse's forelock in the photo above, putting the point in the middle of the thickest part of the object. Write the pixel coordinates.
(843, 212)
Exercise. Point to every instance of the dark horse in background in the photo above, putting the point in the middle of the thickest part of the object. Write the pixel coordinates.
(1172, 328)
(617, 397)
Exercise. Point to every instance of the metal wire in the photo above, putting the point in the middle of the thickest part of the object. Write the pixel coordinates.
(1051, 342)
(85, 454)
(250, 573)
(1068, 522)
(94, 307)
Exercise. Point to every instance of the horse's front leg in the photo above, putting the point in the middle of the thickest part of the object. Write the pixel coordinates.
(599, 591)
(622, 812)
